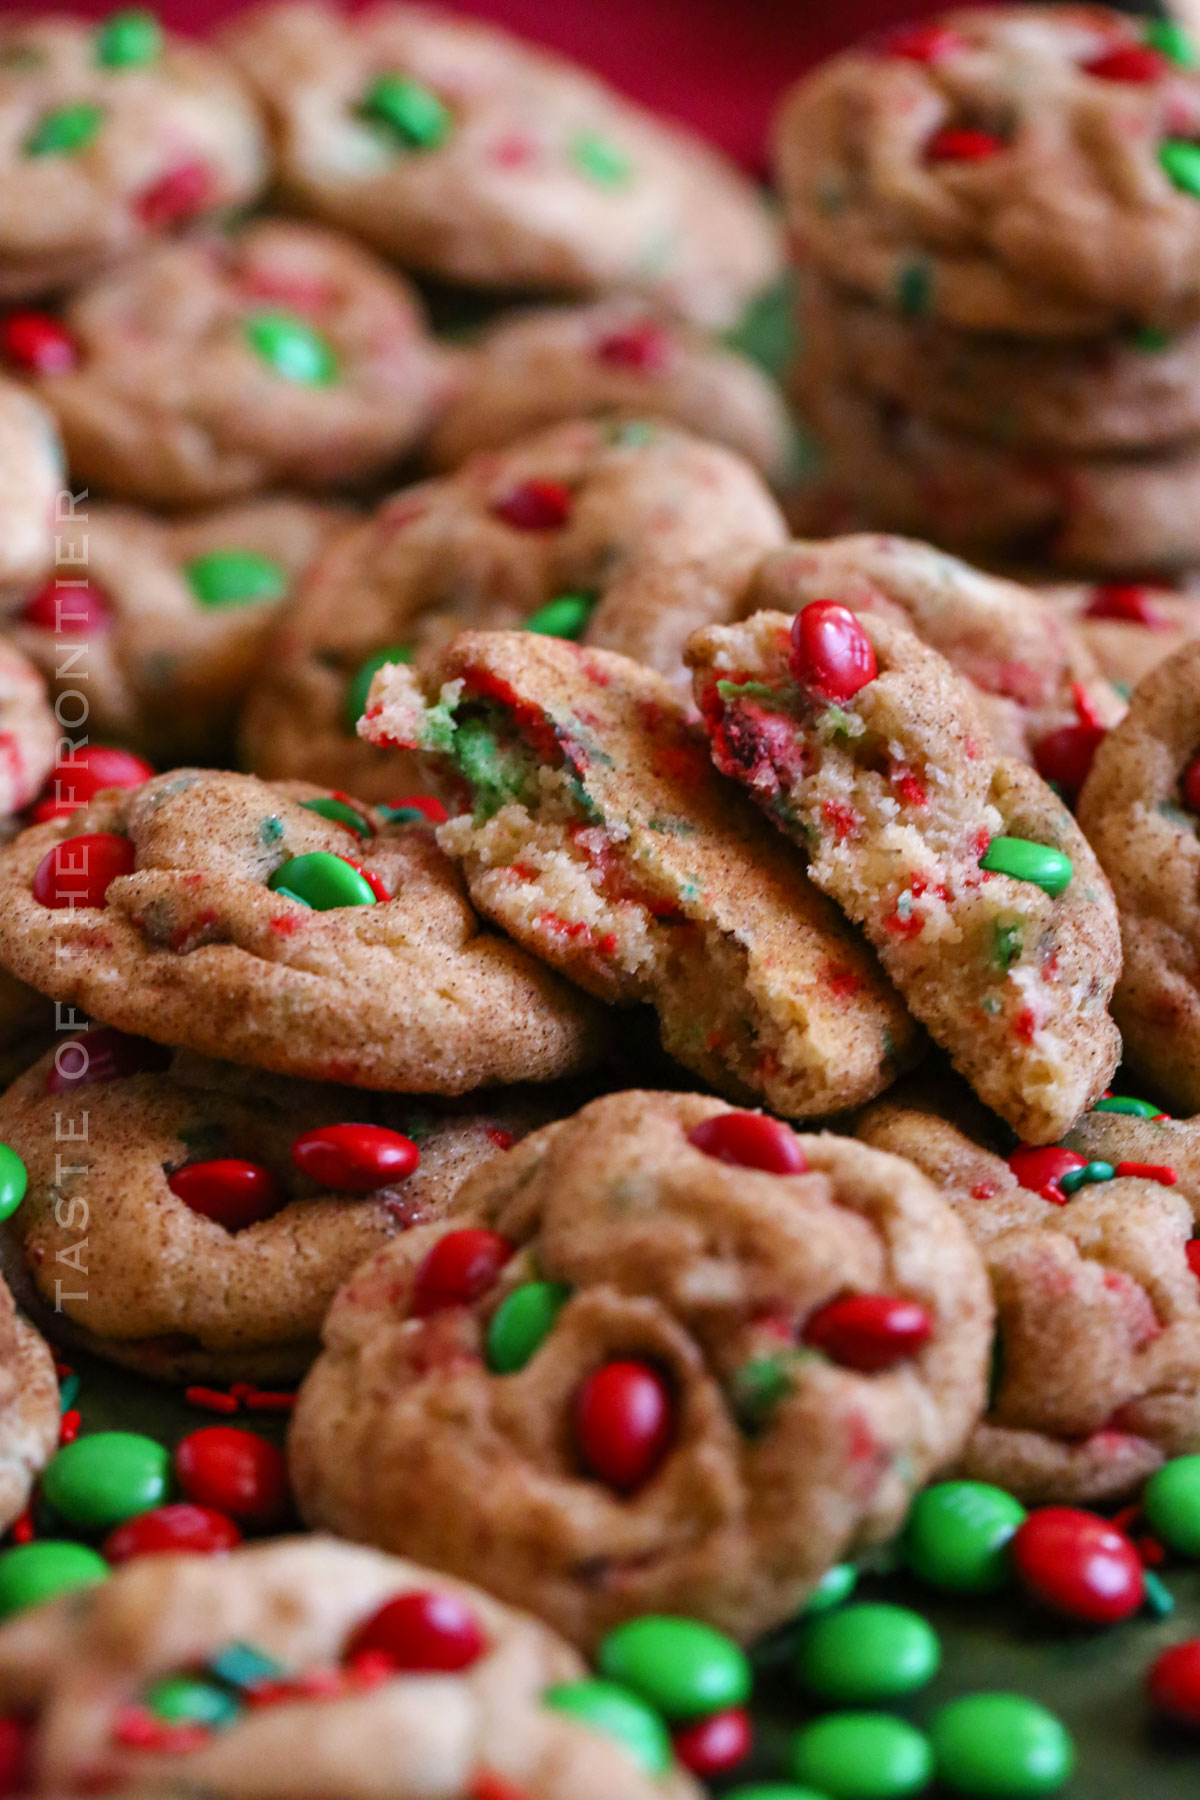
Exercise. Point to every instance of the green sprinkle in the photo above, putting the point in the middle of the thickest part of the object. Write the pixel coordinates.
(1181, 160)
(339, 811)
(601, 160)
(291, 894)
(292, 348)
(737, 690)
(1124, 689)
(991, 1006)
(564, 617)
(1008, 941)
(1152, 339)
(129, 40)
(355, 703)
(1025, 861)
(1088, 1176)
(411, 114)
(68, 1393)
(64, 131)
(1136, 1109)
(1166, 809)
(1174, 41)
(186, 1700)
(271, 830)
(1159, 1599)
(632, 434)
(235, 578)
(761, 1384)
(242, 1666)
(914, 287)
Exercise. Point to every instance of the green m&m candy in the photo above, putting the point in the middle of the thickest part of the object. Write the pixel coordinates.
(326, 807)
(1174, 41)
(681, 1668)
(1036, 863)
(355, 703)
(235, 578)
(189, 1700)
(1171, 1503)
(602, 161)
(862, 1756)
(620, 1715)
(1181, 160)
(522, 1323)
(861, 1655)
(13, 1182)
(958, 1534)
(1001, 1745)
(410, 113)
(293, 348)
(564, 617)
(32, 1573)
(101, 1480)
(836, 1584)
(321, 880)
(65, 130)
(129, 40)
(1122, 1103)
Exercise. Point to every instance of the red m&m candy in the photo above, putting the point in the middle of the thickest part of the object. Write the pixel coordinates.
(171, 1529)
(624, 1422)
(535, 506)
(1136, 63)
(831, 654)
(179, 194)
(37, 344)
(1128, 604)
(1079, 1565)
(80, 870)
(460, 1268)
(957, 143)
(102, 1054)
(714, 1745)
(68, 608)
(422, 1633)
(750, 1141)
(1065, 756)
(235, 1472)
(645, 346)
(1041, 1168)
(228, 1190)
(92, 768)
(15, 1739)
(1175, 1683)
(355, 1159)
(869, 1332)
(1191, 784)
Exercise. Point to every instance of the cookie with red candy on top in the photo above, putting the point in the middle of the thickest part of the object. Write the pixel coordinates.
(223, 1207)
(279, 354)
(114, 133)
(1130, 626)
(29, 1408)
(592, 828)
(971, 879)
(691, 1358)
(616, 358)
(1024, 169)
(627, 535)
(1097, 1358)
(326, 1668)
(477, 157)
(32, 473)
(284, 927)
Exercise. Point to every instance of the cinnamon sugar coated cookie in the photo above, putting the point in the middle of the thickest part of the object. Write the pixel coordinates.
(1003, 170)
(31, 479)
(616, 357)
(113, 133)
(1096, 1372)
(593, 829)
(624, 535)
(279, 354)
(223, 1208)
(1139, 809)
(28, 1409)
(168, 618)
(1130, 627)
(286, 928)
(302, 1615)
(971, 879)
(28, 730)
(473, 155)
(631, 1258)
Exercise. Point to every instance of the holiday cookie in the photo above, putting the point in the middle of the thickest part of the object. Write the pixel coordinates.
(283, 927)
(1007, 168)
(628, 536)
(981, 895)
(167, 619)
(31, 480)
(465, 152)
(26, 1026)
(1130, 627)
(676, 1385)
(28, 1408)
(1097, 1360)
(592, 828)
(1038, 686)
(303, 1667)
(29, 732)
(221, 1208)
(618, 358)
(279, 354)
(113, 133)
(1139, 809)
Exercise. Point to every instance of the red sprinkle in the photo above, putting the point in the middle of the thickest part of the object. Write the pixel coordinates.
(1077, 1564)
(179, 194)
(750, 1140)
(1193, 1256)
(1162, 1172)
(235, 1472)
(1041, 1168)
(535, 506)
(69, 608)
(646, 346)
(230, 1191)
(80, 870)
(1128, 62)
(172, 1529)
(211, 1400)
(869, 1332)
(714, 1745)
(23, 1530)
(956, 143)
(355, 1159)
(422, 1633)
(266, 1400)
(1128, 603)
(1175, 1683)
(624, 1423)
(459, 1270)
(68, 1426)
(831, 654)
(923, 43)
(369, 876)
(1065, 756)
(37, 344)
(488, 1786)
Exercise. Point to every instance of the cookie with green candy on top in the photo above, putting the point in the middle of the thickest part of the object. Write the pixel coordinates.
(979, 892)
(592, 828)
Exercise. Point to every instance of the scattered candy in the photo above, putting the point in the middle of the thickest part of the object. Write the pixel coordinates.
(355, 703)
(234, 1472)
(1001, 1745)
(867, 1653)
(355, 1159)
(522, 1323)
(459, 1270)
(413, 808)
(624, 1423)
(1171, 1503)
(231, 1192)
(869, 1332)
(170, 1529)
(684, 1669)
(102, 1480)
(1079, 1565)
(619, 1715)
(322, 881)
(1022, 861)
(1042, 1168)
(422, 1633)
(235, 578)
(37, 344)
(959, 1534)
(1175, 42)
(13, 1182)
(31, 1573)
(1175, 1683)
(862, 1756)
(831, 654)
(129, 40)
(292, 348)
(714, 1745)
(80, 870)
(412, 115)
(750, 1140)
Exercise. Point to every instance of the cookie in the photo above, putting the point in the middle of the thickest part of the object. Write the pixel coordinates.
(29, 732)
(1130, 627)
(1035, 679)
(213, 1248)
(237, 918)
(167, 619)
(592, 828)
(1008, 168)
(277, 355)
(474, 156)
(296, 1623)
(721, 1292)
(1130, 392)
(28, 1409)
(1139, 810)
(1097, 1361)
(973, 882)
(26, 1026)
(31, 479)
(628, 536)
(114, 133)
(617, 358)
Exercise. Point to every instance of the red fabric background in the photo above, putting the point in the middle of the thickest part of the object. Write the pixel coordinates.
(719, 65)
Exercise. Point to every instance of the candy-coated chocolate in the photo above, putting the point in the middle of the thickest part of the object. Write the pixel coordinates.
(13, 1182)
(167, 1530)
(423, 1633)
(831, 654)
(103, 1479)
(341, 812)
(90, 769)
(522, 1323)
(959, 1534)
(412, 115)
(1174, 1683)
(228, 1190)
(323, 881)
(1079, 1565)
(862, 1756)
(70, 609)
(459, 1270)
(355, 1159)
(80, 870)
(235, 1472)
(32, 1573)
(1171, 1503)
(835, 1586)
(292, 348)
(681, 1667)
(235, 578)
(564, 617)
(618, 1714)
(535, 506)
(190, 1700)
(624, 1423)
(870, 1332)
(1038, 864)
(37, 344)
(750, 1141)
(865, 1654)
(1001, 1745)
(65, 131)
(131, 39)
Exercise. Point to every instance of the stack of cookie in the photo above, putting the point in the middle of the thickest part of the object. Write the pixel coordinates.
(996, 223)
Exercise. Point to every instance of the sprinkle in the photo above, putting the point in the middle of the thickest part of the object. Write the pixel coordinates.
(1159, 1599)
(264, 1400)
(1161, 1172)
(69, 1425)
(69, 1392)
(210, 1400)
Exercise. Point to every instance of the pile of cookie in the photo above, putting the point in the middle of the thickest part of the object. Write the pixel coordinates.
(619, 1004)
